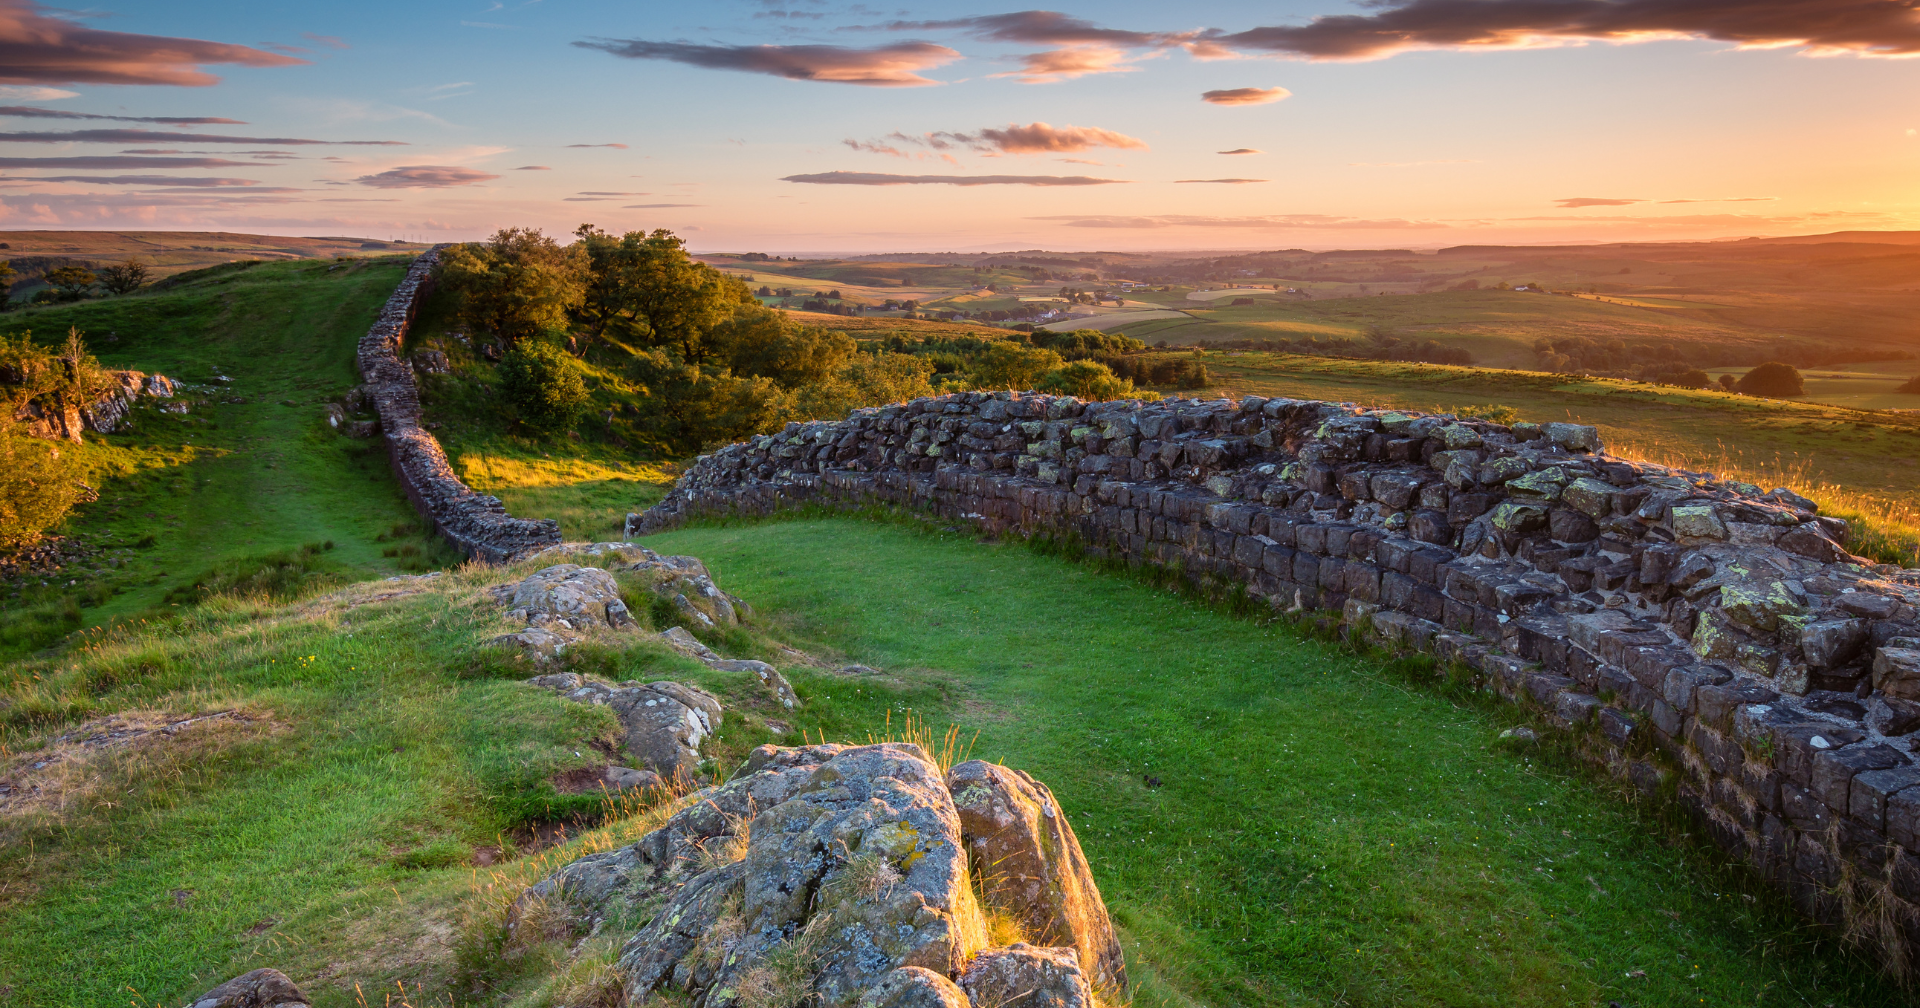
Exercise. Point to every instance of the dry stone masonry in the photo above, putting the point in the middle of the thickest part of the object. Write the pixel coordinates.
(477, 523)
(1700, 634)
(847, 877)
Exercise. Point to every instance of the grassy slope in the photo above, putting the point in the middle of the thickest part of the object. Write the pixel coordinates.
(229, 480)
(1327, 833)
(170, 252)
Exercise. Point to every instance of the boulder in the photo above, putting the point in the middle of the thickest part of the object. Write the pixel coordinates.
(662, 723)
(1027, 976)
(1896, 672)
(1024, 850)
(914, 987)
(769, 677)
(262, 988)
(1832, 643)
(571, 596)
(834, 875)
(1573, 437)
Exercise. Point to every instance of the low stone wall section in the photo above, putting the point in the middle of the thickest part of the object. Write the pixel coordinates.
(477, 523)
(1704, 639)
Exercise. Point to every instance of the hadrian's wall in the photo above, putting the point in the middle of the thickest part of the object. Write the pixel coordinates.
(1701, 635)
(477, 523)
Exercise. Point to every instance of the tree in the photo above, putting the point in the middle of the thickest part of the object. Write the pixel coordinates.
(517, 284)
(544, 386)
(6, 281)
(1009, 365)
(1727, 382)
(38, 485)
(71, 282)
(1694, 378)
(767, 344)
(1087, 380)
(647, 288)
(1772, 379)
(126, 277)
(1912, 385)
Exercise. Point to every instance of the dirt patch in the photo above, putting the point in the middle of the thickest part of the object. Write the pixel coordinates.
(71, 766)
(581, 780)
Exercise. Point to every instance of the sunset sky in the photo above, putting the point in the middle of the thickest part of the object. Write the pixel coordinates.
(814, 126)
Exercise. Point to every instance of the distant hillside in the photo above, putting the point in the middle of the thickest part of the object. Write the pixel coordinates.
(170, 252)
(1857, 237)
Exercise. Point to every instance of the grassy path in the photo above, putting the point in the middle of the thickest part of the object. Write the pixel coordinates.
(1324, 834)
(234, 479)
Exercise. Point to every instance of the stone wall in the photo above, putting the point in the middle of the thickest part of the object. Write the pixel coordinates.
(1702, 637)
(477, 523)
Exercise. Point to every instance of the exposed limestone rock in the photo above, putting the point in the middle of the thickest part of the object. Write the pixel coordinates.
(1022, 847)
(568, 596)
(262, 988)
(835, 873)
(663, 723)
(106, 413)
(1030, 977)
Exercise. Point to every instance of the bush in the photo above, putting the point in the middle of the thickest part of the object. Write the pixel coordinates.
(544, 386)
(1912, 385)
(1772, 379)
(39, 484)
(1090, 380)
(1694, 378)
(1491, 412)
(1013, 366)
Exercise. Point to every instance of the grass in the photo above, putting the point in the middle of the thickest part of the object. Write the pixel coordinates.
(1331, 830)
(242, 473)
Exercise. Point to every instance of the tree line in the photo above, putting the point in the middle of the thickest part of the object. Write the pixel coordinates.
(692, 352)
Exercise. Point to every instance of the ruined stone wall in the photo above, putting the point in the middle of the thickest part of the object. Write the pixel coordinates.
(477, 523)
(1700, 635)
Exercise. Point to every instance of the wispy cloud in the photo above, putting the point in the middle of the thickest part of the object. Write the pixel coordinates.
(1576, 202)
(533, 167)
(1272, 222)
(1066, 64)
(1223, 181)
(876, 179)
(29, 112)
(330, 41)
(39, 47)
(19, 92)
(1033, 138)
(1242, 150)
(154, 136)
(659, 206)
(425, 177)
(1819, 27)
(1245, 95)
(146, 180)
(881, 66)
(111, 161)
(615, 146)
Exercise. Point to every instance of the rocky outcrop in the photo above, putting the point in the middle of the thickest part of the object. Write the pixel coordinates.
(1704, 637)
(477, 523)
(566, 602)
(837, 875)
(55, 417)
(262, 988)
(662, 723)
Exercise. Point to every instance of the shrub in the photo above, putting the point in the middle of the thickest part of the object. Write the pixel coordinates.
(1013, 366)
(544, 386)
(1491, 412)
(1912, 385)
(1090, 380)
(1727, 382)
(39, 484)
(1772, 379)
(1694, 378)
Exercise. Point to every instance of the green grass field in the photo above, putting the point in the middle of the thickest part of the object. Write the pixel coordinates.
(1861, 386)
(252, 468)
(1332, 830)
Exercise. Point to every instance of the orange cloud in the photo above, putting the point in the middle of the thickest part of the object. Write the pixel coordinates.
(1245, 95)
(1065, 64)
(881, 66)
(38, 49)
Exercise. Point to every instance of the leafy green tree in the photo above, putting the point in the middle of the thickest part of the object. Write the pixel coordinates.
(517, 284)
(688, 407)
(544, 385)
(1772, 379)
(39, 484)
(646, 288)
(1089, 380)
(6, 282)
(126, 277)
(1009, 365)
(1728, 381)
(766, 343)
(71, 282)
(1693, 378)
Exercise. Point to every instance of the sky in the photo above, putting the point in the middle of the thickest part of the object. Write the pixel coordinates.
(815, 126)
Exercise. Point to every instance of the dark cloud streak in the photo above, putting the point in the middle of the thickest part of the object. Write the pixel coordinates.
(880, 66)
(38, 49)
(154, 136)
(876, 179)
(30, 112)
